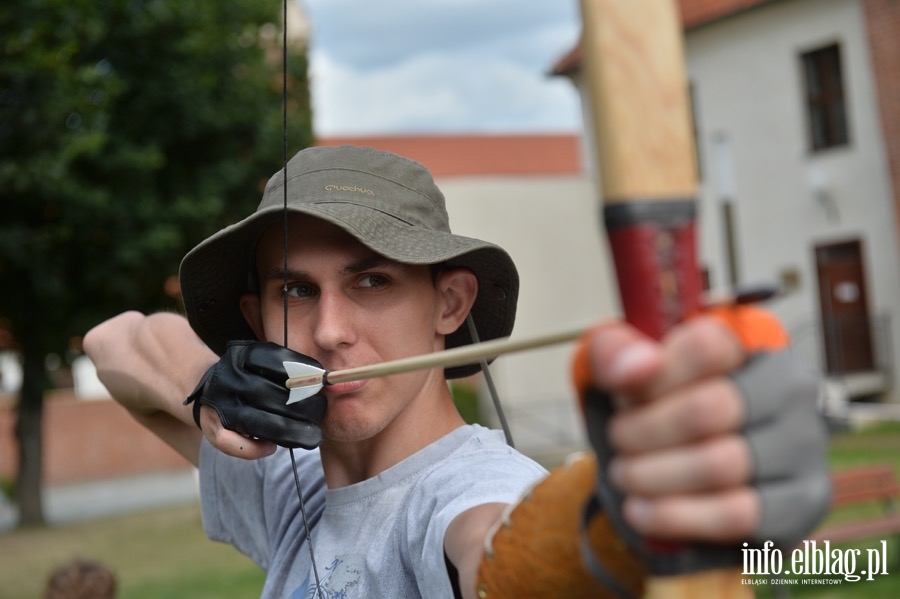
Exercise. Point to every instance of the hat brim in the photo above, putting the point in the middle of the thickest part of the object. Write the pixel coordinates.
(215, 274)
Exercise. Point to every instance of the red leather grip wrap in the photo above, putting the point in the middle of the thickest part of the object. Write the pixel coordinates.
(653, 249)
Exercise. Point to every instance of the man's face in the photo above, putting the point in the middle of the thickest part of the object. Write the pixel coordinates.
(348, 306)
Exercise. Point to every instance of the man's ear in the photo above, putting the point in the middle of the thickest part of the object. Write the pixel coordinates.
(252, 311)
(457, 288)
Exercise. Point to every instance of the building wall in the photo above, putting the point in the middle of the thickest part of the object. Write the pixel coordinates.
(747, 80)
(87, 441)
(550, 227)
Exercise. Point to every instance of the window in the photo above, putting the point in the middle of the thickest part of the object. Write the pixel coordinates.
(825, 98)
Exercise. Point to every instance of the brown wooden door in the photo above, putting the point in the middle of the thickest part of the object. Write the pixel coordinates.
(846, 327)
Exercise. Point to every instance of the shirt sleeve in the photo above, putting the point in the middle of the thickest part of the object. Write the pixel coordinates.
(498, 475)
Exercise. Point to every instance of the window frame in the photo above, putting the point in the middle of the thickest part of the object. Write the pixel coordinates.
(827, 119)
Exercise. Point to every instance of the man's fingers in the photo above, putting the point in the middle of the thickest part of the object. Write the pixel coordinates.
(689, 414)
(230, 442)
(621, 358)
(705, 466)
(724, 517)
(239, 446)
(700, 348)
(624, 361)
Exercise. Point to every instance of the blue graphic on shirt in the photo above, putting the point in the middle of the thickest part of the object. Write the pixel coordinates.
(337, 578)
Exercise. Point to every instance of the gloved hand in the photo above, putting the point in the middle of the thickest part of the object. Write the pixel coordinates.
(246, 388)
(785, 434)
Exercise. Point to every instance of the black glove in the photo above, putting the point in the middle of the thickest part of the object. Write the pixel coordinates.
(246, 387)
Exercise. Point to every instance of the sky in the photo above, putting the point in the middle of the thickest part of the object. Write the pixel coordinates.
(441, 66)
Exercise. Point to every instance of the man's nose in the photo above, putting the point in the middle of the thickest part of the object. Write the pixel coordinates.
(333, 322)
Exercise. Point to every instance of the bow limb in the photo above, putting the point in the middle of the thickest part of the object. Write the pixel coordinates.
(644, 146)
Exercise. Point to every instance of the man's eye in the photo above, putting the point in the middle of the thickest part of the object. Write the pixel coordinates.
(299, 290)
(371, 281)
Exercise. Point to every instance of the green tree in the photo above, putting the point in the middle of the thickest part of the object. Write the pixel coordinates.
(129, 130)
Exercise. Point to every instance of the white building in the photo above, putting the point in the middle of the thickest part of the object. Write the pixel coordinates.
(797, 115)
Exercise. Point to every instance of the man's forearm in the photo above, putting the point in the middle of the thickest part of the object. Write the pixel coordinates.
(150, 364)
(183, 438)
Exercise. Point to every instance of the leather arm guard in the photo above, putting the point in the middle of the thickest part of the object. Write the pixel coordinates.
(537, 549)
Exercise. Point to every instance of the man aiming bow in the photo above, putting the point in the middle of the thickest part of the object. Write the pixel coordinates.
(359, 266)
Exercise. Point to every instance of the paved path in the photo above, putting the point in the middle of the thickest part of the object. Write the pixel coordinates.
(111, 497)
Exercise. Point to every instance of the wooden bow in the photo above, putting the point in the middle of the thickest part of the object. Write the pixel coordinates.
(644, 146)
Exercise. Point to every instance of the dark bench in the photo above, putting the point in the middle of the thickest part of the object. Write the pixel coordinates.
(857, 486)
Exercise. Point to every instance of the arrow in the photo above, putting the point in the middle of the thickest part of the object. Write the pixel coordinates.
(306, 380)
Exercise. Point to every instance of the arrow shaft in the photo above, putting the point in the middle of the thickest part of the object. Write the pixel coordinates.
(468, 354)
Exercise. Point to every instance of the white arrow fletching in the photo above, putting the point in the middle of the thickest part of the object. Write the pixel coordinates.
(297, 370)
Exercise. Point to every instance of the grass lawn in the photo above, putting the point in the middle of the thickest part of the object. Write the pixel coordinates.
(155, 554)
(164, 554)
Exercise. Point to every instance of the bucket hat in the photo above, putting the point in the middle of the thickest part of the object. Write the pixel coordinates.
(387, 202)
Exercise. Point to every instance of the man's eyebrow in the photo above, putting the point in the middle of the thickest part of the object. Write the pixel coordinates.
(279, 274)
(373, 262)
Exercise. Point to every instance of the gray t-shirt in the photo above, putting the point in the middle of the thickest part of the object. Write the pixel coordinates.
(383, 537)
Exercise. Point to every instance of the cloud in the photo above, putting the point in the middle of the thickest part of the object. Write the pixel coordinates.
(439, 66)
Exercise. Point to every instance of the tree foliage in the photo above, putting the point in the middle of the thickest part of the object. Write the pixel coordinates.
(129, 130)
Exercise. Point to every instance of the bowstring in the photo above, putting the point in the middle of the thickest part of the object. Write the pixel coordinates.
(284, 286)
